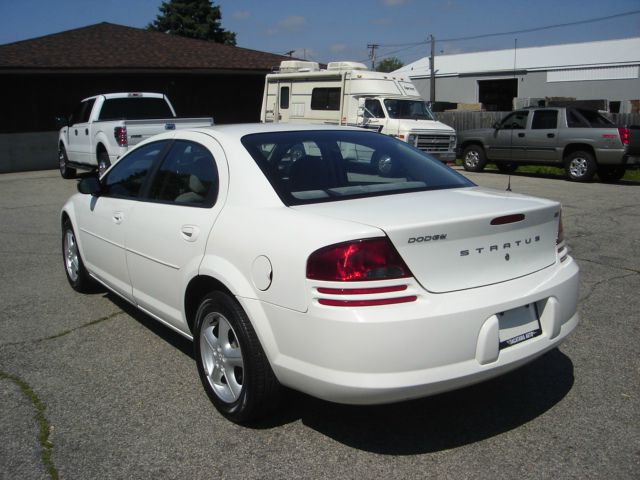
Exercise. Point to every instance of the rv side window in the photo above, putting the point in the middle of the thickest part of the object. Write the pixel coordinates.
(284, 98)
(325, 99)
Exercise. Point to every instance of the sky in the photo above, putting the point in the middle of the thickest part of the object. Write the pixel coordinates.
(328, 30)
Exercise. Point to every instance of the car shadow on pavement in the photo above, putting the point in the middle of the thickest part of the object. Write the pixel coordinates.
(426, 425)
(444, 421)
(552, 176)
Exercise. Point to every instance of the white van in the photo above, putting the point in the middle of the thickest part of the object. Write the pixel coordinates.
(347, 93)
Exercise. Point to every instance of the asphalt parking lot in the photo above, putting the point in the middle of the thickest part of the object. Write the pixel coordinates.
(90, 388)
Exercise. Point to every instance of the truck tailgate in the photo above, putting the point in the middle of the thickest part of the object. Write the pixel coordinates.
(139, 130)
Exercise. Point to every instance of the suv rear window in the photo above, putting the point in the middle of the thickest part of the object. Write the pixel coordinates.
(331, 165)
(135, 108)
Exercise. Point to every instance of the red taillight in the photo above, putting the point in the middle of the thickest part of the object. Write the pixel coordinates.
(121, 136)
(359, 260)
(624, 135)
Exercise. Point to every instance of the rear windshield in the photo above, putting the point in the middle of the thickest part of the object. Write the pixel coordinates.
(324, 166)
(135, 108)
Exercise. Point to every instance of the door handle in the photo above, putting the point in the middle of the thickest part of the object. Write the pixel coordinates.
(117, 217)
(521, 135)
(551, 135)
(76, 130)
(86, 131)
(189, 233)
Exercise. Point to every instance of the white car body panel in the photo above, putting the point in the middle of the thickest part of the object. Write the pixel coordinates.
(448, 337)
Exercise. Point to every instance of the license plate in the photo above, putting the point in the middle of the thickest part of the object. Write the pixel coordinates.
(518, 325)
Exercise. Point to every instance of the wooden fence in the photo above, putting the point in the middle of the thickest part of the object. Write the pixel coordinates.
(467, 120)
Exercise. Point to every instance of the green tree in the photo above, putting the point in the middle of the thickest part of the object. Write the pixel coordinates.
(389, 64)
(194, 19)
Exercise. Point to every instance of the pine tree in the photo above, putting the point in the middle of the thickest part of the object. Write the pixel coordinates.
(194, 19)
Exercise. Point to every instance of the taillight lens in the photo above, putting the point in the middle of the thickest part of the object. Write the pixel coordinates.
(560, 238)
(624, 135)
(359, 260)
(120, 133)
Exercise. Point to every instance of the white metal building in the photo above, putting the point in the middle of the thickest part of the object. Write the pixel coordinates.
(608, 70)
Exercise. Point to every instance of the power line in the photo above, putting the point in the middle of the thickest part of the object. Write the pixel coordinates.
(527, 30)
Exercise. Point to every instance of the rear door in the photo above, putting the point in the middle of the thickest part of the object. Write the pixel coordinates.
(168, 231)
(541, 140)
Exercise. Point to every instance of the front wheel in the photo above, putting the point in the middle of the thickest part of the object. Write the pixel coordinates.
(77, 274)
(63, 163)
(232, 366)
(473, 158)
(581, 166)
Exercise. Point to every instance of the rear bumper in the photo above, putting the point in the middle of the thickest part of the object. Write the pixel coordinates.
(439, 342)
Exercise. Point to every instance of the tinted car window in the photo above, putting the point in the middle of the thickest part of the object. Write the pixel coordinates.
(595, 119)
(544, 119)
(515, 121)
(187, 176)
(135, 108)
(323, 166)
(575, 120)
(127, 176)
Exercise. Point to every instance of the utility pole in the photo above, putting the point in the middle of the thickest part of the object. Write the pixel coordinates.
(372, 55)
(432, 68)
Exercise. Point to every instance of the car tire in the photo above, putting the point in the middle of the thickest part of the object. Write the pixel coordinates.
(63, 163)
(103, 162)
(507, 167)
(580, 166)
(74, 268)
(232, 365)
(473, 158)
(611, 174)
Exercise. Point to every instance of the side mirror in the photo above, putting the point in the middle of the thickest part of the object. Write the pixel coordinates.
(496, 126)
(61, 122)
(90, 186)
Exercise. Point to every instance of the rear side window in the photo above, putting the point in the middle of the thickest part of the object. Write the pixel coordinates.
(544, 120)
(331, 165)
(187, 176)
(127, 177)
(575, 120)
(595, 119)
(325, 99)
(135, 108)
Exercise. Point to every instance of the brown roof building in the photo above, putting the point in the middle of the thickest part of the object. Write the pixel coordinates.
(47, 76)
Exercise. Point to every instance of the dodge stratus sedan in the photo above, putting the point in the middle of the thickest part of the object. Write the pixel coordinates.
(291, 260)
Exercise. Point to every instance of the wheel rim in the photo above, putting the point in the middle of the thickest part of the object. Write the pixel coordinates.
(221, 357)
(102, 166)
(71, 258)
(62, 161)
(578, 167)
(472, 158)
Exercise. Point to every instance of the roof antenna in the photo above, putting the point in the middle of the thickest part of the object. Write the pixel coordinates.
(509, 184)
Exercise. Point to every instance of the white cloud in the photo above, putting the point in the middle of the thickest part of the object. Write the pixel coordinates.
(292, 23)
(241, 14)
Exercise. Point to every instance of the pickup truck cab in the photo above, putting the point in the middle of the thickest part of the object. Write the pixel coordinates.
(583, 142)
(103, 127)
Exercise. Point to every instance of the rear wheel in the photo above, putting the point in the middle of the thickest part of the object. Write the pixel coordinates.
(103, 162)
(63, 163)
(473, 158)
(507, 167)
(611, 173)
(232, 366)
(580, 166)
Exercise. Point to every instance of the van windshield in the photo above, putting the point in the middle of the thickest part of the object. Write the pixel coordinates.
(408, 109)
(313, 166)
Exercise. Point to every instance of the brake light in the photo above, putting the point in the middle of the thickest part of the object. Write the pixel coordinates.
(359, 260)
(624, 135)
(120, 133)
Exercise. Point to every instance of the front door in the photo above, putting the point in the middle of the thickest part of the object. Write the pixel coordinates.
(79, 139)
(507, 142)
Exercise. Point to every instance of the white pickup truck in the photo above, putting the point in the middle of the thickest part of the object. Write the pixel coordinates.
(103, 127)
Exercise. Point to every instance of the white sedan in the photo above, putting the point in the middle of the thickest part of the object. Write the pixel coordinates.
(291, 259)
